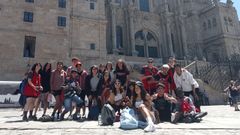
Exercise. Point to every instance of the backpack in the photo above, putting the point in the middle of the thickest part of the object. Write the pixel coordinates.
(22, 85)
(107, 115)
(93, 111)
(22, 98)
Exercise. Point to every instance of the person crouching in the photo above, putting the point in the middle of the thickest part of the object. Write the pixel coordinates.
(71, 88)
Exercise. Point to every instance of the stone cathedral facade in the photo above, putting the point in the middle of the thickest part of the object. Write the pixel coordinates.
(97, 31)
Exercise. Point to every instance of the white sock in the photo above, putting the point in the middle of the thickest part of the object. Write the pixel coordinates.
(149, 120)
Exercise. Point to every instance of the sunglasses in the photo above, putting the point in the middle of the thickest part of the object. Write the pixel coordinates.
(117, 83)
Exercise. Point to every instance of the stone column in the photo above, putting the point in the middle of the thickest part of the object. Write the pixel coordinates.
(132, 32)
(168, 29)
(114, 39)
(169, 38)
(182, 29)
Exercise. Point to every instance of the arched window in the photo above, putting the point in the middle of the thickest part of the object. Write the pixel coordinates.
(214, 22)
(119, 35)
(209, 24)
(144, 5)
(146, 44)
(204, 26)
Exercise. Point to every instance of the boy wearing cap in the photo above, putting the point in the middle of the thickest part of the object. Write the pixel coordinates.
(163, 103)
(71, 88)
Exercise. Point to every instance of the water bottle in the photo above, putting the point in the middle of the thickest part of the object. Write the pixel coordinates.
(99, 120)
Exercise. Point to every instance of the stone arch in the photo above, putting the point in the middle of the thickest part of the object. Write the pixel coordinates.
(146, 43)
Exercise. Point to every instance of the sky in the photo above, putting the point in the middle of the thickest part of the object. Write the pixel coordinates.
(236, 5)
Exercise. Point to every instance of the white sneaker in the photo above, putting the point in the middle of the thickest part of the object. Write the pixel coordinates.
(150, 128)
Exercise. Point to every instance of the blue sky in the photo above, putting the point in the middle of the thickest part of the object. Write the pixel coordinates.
(236, 5)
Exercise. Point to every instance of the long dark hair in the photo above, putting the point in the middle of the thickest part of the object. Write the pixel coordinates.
(45, 66)
(91, 73)
(109, 77)
(143, 91)
(114, 90)
(124, 66)
(109, 63)
(34, 67)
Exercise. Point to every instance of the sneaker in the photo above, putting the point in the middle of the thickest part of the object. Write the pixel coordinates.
(61, 117)
(70, 117)
(34, 118)
(25, 118)
(175, 117)
(200, 115)
(75, 117)
(150, 128)
(30, 118)
(237, 110)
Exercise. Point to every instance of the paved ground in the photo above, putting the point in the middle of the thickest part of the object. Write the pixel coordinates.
(221, 120)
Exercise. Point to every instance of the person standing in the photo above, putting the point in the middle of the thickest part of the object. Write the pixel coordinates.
(94, 92)
(234, 92)
(184, 80)
(45, 79)
(75, 60)
(57, 80)
(32, 91)
(148, 71)
(82, 74)
(121, 72)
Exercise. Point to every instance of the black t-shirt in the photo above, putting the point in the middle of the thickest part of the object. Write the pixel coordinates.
(164, 108)
(45, 80)
(163, 78)
(121, 74)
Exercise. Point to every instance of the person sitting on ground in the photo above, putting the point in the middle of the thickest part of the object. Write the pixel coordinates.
(150, 106)
(71, 88)
(144, 114)
(163, 103)
(185, 109)
(117, 94)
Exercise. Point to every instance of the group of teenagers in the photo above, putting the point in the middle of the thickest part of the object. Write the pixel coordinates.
(169, 93)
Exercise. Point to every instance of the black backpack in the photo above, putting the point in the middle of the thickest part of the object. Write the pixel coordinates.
(107, 115)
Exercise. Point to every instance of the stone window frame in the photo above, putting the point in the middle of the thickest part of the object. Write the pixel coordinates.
(144, 34)
(149, 5)
(62, 3)
(29, 1)
(92, 46)
(29, 46)
(62, 21)
(28, 16)
(92, 6)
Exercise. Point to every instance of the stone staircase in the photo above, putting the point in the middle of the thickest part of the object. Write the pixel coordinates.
(213, 77)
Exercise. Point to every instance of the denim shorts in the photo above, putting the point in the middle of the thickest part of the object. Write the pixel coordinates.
(68, 102)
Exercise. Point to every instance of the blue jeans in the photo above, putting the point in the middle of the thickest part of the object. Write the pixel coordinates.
(68, 102)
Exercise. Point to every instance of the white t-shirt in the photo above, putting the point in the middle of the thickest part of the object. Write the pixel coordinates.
(185, 81)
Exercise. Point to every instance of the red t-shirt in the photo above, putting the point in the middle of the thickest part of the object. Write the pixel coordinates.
(149, 83)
